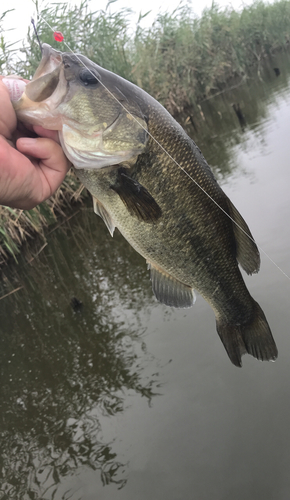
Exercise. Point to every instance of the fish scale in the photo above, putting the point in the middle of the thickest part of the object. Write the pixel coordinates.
(193, 260)
(132, 156)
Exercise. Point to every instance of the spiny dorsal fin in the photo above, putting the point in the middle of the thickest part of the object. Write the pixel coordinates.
(170, 291)
(100, 210)
(247, 252)
(137, 199)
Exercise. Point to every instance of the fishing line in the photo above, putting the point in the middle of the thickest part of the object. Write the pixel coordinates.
(36, 34)
(168, 154)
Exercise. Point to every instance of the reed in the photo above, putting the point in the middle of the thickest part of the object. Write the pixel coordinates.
(183, 59)
(180, 60)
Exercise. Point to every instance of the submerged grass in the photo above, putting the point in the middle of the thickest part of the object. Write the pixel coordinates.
(180, 60)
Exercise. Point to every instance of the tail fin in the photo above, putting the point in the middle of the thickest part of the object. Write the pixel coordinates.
(254, 338)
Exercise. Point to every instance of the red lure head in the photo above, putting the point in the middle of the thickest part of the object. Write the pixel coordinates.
(58, 36)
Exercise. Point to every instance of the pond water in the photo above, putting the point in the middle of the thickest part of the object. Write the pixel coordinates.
(105, 393)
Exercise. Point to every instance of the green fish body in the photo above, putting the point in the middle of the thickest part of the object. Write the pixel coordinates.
(150, 180)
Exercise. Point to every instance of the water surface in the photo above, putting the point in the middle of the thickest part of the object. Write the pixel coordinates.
(124, 398)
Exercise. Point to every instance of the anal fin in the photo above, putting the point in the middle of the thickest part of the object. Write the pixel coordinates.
(170, 291)
(100, 210)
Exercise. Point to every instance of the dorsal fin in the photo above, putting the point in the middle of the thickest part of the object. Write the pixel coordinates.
(247, 252)
(170, 291)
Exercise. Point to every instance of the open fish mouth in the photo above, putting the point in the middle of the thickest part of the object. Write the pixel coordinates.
(46, 77)
(42, 88)
(44, 93)
(51, 58)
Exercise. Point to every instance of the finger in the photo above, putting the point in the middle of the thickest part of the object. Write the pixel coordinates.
(44, 132)
(18, 77)
(46, 150)
(51, 161)
(7, 116)
(16, 87)
(12, 161)
(16, 177)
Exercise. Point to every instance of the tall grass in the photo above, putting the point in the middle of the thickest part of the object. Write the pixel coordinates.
(183, 59)
(180, 60)
(101, 36)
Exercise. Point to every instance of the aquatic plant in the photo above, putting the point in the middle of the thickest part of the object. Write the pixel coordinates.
(182, 60)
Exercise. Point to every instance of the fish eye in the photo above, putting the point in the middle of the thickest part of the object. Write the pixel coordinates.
(89, 77)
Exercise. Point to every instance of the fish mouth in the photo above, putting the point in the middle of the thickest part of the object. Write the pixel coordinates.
(39, 103)
(46, 77)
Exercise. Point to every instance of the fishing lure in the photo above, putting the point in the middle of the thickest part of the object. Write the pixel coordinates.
(58, 36)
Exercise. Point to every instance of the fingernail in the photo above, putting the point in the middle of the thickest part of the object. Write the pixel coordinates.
(27, 141)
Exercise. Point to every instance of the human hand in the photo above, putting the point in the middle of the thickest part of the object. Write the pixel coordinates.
(31, 172)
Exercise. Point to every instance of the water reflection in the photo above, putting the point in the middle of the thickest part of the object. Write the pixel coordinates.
(217, 128)
(62, 369)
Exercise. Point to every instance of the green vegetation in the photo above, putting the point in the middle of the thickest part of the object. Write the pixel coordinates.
(180, 60)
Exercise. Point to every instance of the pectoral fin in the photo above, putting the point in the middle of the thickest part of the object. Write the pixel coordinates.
(100, 210)
(137, 199)
(170, 291)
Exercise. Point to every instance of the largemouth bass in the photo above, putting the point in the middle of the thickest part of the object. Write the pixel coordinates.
(132, 156)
